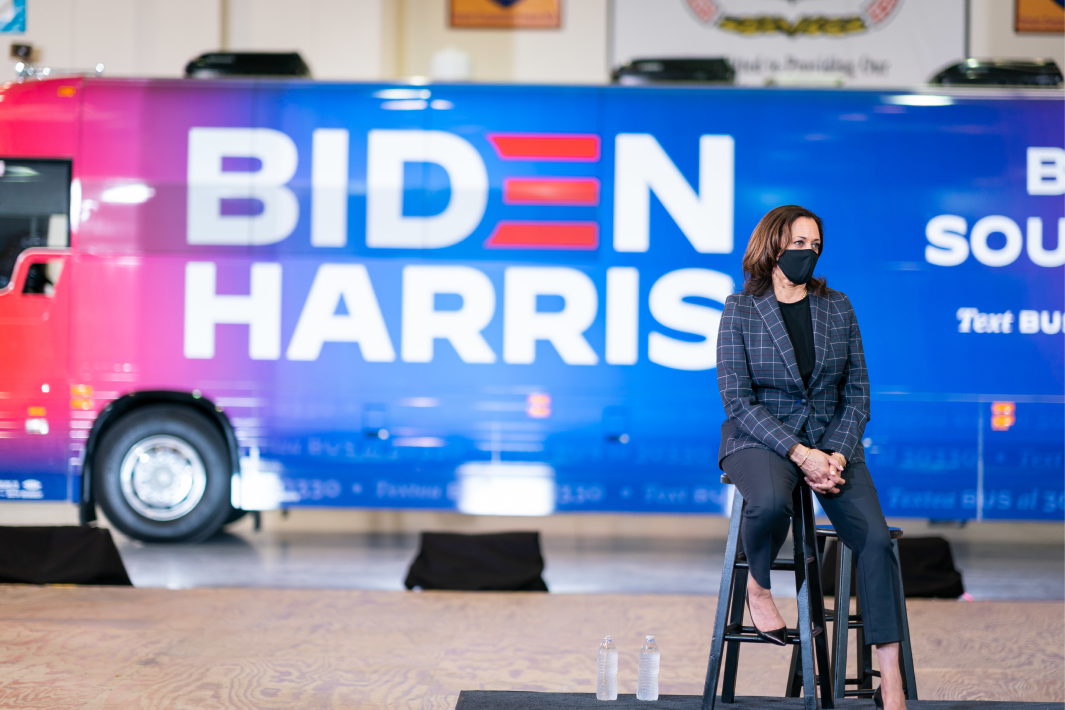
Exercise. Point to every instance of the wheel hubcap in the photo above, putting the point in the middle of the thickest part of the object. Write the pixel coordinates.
(163, 477)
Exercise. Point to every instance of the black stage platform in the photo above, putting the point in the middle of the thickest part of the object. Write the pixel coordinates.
(518, 700)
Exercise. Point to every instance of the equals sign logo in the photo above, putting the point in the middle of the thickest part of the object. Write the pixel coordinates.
(547, 191)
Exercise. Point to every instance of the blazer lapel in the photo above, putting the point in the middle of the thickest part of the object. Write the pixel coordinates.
(770, 312)
(819, 313)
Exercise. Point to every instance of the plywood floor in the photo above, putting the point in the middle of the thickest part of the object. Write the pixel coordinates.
(83, 647)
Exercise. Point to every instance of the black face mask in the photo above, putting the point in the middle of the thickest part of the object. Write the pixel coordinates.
(798, 264)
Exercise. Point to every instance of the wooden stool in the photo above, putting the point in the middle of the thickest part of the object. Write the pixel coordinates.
(810, 634)
(844, 573)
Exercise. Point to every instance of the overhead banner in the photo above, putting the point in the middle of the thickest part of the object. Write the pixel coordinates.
(874, 43)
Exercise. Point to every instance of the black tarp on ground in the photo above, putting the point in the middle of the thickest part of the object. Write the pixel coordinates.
(496, 562)
(927, 569)
(517, 700)
(60, 555)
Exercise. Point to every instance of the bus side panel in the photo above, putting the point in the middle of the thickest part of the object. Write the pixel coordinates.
(369, 423)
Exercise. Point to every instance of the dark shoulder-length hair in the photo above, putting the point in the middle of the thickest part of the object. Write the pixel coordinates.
(768, 241)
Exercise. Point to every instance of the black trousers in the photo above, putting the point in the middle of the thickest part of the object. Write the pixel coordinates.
(766, 482)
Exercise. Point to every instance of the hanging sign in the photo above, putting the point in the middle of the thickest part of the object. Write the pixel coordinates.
(1044, 16)
(506, 14)
(846, 42)
(12, 16)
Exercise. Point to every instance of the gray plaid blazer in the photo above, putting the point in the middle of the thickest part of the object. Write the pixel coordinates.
(765, 400)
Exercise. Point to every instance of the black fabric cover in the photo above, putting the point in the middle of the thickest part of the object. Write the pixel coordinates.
(529, 700)
(927, 568)
(60, 555)
(497, 562)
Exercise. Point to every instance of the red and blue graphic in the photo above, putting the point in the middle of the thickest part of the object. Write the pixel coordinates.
(382, 287)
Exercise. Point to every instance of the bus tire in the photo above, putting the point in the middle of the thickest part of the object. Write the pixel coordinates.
(162, 474)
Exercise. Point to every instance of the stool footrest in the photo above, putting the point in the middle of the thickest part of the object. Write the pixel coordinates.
(736, 632)
(777, 566)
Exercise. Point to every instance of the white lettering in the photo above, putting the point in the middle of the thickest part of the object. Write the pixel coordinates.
(329, 188)
(319, 322)
(422, 323)
(972, 320)
(388, 150)
(1029, 322)
(260, 310)
(1036, 252)
(669, 308)
(209, 184)
(965, 316)
(641, 166)
(996, 257)
(947, 245)
(1046, 171)
(1007, 322)
(1050, 324)
(523, 324)
(622, 315)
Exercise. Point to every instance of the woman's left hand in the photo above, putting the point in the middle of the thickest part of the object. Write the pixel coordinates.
(820, 473)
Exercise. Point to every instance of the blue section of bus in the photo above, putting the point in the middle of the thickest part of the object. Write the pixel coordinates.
(875, 168)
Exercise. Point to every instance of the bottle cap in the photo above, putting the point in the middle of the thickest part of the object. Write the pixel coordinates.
(607, 637)
(650, 638)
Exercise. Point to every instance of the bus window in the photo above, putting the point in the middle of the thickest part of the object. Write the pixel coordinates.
(34, 204)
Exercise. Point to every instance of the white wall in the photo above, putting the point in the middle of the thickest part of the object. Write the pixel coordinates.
(576, 53)
(992, 34)
(130, 37)
(373, 39)
(339, 39)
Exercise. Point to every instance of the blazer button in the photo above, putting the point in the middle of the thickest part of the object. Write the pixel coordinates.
(803, 402)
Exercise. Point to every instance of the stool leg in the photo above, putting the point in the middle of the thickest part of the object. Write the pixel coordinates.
(863, 651)
(732, 648)
(727, 575)
(802, 584)
(817, 600)
(905, 652)
(794, 688)
(841, 629)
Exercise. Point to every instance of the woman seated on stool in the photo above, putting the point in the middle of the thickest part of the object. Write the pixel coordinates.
(792, 375)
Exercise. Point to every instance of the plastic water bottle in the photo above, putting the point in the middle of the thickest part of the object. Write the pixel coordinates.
(606, 687)
(647, 686)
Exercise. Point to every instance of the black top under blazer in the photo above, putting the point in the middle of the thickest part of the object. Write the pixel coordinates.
(764, 397)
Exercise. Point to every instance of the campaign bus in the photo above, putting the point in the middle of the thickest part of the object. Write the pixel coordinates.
(219, 296)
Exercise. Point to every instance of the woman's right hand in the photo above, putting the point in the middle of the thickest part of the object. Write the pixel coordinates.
(820, 470)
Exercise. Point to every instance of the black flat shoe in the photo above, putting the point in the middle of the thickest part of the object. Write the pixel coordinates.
(878, 699)
(777, 637)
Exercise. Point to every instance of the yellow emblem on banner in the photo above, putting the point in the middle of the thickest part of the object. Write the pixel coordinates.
(1040, 16)
(506, 14)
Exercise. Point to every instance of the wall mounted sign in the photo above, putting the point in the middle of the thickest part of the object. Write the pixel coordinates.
(1040, 16)
(13, 16)
(506, 14)
(850, 42)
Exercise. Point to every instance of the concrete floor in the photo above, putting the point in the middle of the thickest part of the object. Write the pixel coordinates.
(584, 554)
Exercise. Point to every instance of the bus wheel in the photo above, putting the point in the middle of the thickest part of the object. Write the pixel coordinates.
(162, 474)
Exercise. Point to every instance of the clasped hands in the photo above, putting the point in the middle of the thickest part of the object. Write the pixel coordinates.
(822, 472)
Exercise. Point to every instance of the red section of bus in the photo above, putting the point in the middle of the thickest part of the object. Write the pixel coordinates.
(551, 191)
(544, 235)
(582, 147)
(38, 119)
